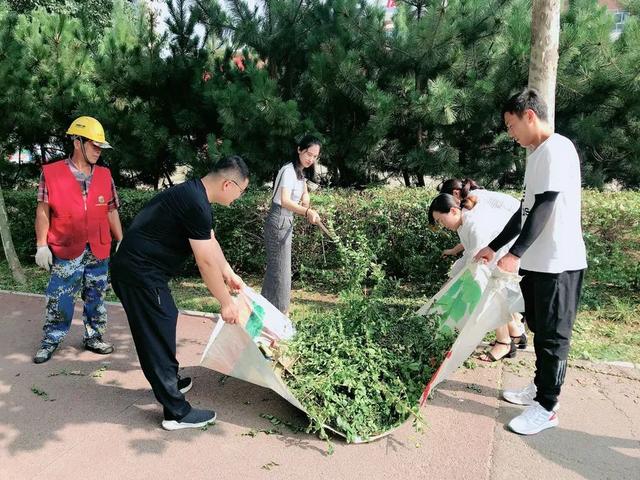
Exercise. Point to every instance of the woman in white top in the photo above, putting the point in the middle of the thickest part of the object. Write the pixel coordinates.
(462, 189)
(476, 220)
(290, 196)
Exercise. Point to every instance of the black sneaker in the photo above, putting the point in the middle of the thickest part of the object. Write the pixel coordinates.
(194, 419)
(184, 384)
(44, 354)
(96, 345)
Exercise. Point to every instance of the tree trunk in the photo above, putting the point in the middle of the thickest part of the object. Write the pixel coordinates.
(407, 177)
(169, 181)
(545, 37)
(7, 243)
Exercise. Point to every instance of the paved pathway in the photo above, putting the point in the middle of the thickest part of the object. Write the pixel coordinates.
(81, 415)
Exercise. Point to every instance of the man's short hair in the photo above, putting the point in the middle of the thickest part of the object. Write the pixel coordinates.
(527, 99)
(231, 165)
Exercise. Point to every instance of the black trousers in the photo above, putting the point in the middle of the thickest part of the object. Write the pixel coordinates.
(152, 316)
(551, 303)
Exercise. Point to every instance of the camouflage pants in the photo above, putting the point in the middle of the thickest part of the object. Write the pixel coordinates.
(68, 277)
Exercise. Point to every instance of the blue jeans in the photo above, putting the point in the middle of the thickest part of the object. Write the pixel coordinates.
(68, 277)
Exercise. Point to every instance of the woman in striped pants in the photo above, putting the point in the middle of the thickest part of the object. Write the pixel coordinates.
(290, 196)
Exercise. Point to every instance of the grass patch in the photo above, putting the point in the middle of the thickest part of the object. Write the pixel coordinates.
(37, 279)
(608, 332)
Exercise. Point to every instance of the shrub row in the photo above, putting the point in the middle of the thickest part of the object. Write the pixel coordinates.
(378, 229)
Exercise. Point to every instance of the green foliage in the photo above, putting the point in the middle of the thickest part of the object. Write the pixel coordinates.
(363, 366)
(380, 231)
(598, 95)
(386, 232)
(421, 99)
(153, 107)
(21, 211)
(46, 72)
(382, 227)
(611, 223)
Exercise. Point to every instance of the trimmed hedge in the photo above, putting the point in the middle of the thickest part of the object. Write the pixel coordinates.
(378, 229)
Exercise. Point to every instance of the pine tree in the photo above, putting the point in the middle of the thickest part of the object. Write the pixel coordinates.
(259, 106)
(10, 79)
(342, 73)
(49, 79)
(131, 77)
(436, 99)
(598, 102)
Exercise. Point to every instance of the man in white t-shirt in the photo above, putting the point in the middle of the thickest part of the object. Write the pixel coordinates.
(550, 252)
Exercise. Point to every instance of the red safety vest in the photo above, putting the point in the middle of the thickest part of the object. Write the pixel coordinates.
(72, 223)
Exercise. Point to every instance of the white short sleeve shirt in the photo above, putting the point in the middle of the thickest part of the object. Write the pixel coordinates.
(484, 222)
(288, 179)
(554, 166)
(496, 200)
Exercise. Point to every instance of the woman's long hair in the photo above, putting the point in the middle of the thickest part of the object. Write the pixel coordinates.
(304, 143)
(463, 186)
(444, 202)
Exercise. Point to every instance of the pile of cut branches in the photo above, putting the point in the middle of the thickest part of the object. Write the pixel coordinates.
(361, 368)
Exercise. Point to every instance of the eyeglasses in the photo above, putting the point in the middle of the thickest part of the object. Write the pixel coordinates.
(242, 190)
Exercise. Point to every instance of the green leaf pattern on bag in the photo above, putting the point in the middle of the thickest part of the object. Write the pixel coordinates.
(461, 299)
(256, 320)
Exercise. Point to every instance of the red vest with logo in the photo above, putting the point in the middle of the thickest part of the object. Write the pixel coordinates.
(72, 223)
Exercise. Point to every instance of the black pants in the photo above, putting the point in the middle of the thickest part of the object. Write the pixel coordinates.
(550, 304)
(152, 316)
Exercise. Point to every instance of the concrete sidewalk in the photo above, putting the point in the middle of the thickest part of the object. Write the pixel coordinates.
(82, 415)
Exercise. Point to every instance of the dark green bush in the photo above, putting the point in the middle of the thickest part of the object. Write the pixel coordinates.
(21, 211)
(385, 228)
(611, 223)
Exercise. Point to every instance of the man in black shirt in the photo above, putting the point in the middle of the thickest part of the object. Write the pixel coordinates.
(165, 232)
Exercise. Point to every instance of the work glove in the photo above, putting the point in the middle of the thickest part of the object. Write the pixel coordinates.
(44, 258)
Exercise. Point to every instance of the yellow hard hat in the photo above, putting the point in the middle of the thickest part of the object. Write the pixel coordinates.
(90, 128)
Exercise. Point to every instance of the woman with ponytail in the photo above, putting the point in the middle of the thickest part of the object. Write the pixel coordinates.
(466, 188)
(475, 221)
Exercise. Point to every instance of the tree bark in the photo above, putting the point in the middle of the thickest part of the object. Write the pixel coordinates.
(7, 243)
(545, 37)
(407, 177)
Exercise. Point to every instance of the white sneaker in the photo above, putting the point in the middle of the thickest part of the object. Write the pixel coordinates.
(524, 396)
(533, 420)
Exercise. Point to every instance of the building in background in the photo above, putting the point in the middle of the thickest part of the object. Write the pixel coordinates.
(620, 16)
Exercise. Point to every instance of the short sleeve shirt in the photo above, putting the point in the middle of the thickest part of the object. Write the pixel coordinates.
(555, 167)
(497, 200)
(484, 222)
(156, 244)
(288, 179)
